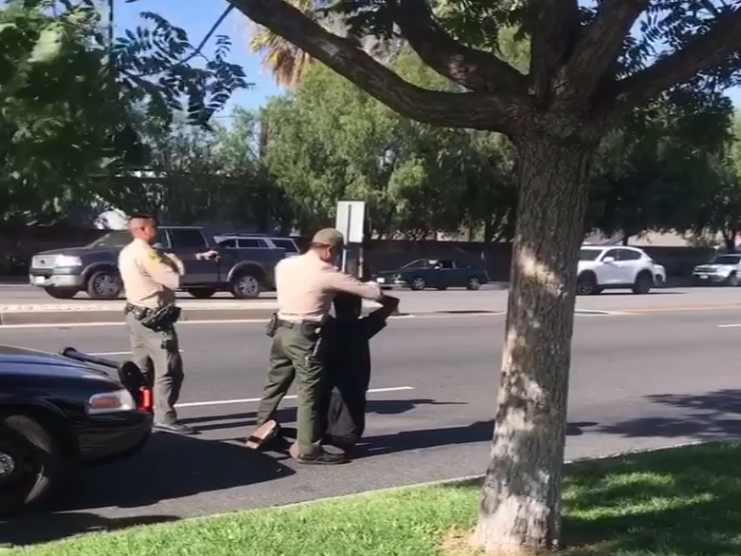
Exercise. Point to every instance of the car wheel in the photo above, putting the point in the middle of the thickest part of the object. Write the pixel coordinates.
(733, 279)
(473, 284)
(245, 285)
(418, 283)
(643, 283)
(586, 284)
(61, 293)
(202, 293)
(105, 284)
(30, 464)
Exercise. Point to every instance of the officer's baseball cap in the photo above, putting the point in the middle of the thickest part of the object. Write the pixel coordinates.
(328, 237)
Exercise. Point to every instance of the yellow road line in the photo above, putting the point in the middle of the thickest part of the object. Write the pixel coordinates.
(682, 309)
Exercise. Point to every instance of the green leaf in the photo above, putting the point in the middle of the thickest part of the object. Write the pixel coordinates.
(49, 44)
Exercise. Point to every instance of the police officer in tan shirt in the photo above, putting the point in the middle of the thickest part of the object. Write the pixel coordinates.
(150, 279)
(305, 287)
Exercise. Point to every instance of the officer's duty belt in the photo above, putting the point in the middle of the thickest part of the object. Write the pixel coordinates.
(297, 324)
(139, 310)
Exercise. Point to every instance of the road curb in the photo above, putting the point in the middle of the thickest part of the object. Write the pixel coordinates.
(12, 318)
(50, 318)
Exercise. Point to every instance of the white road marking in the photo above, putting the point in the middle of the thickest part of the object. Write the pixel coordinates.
(292, 397)
(729, 325)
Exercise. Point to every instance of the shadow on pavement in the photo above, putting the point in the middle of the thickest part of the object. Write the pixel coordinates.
(711, 416)
(170, 467)
(247, 419)
(480, 431)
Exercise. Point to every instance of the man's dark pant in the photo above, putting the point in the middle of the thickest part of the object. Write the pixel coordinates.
(347, 391)
(291, 357)
(158, 356)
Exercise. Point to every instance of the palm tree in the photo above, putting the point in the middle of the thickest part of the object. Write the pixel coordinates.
(286, 62)
(289, 64)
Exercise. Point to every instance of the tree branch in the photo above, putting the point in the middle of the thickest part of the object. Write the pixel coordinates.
(469, 110)
(701, 53)
(198, 50)
(474, 69)
(554, 35)
(599, 47)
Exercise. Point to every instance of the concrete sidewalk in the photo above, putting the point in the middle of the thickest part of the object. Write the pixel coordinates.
(113, 311)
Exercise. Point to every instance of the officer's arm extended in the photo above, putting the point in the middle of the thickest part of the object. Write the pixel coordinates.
(160, 270)
(340, 281)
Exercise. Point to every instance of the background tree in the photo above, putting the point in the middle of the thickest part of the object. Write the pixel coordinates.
(240, 153)
(49, 142)
(720, 212)
(590, 66)
(655, 171)
(329, 141)
(71, 100)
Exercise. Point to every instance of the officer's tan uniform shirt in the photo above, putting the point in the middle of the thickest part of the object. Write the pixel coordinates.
(148, 279)
(306, 285)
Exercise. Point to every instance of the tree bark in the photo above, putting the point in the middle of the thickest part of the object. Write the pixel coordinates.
(520, 509)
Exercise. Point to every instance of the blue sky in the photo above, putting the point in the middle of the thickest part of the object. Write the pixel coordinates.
(197, 19)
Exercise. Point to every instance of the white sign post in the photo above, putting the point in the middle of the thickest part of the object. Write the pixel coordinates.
(350, 220)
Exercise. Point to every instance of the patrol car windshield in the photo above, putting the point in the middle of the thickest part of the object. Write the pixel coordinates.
(112, 239)
(589, 254)
(726, 259)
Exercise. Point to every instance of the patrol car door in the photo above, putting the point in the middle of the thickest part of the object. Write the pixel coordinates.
(185, 243)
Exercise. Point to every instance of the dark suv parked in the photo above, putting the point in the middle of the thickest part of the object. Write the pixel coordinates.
(93, 268)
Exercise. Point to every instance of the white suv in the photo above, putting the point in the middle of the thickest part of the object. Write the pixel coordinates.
(610, 267)
(257, 241)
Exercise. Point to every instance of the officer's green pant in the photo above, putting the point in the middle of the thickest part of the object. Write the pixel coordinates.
(158, 356)
(291, 358)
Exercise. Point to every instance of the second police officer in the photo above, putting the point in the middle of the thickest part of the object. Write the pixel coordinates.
(150, 279)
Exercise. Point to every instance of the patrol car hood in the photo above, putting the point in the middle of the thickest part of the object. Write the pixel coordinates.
(18, 361)
(79, 251)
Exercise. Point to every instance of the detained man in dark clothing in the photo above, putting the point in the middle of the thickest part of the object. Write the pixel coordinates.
(347, 358)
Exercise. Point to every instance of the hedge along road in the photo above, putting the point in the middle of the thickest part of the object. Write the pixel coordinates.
(635, 383)
(23, 305)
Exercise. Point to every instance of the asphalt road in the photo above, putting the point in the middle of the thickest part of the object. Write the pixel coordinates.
(638, 380)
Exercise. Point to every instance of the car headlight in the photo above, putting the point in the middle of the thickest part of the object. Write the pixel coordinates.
(111, 402)
(67, 260)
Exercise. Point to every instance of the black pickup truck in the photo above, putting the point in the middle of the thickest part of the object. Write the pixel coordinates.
(62, 273)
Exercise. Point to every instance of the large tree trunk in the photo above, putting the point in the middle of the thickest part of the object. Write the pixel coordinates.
(520, 510)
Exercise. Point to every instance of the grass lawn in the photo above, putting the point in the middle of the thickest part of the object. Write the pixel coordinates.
(685, 501)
